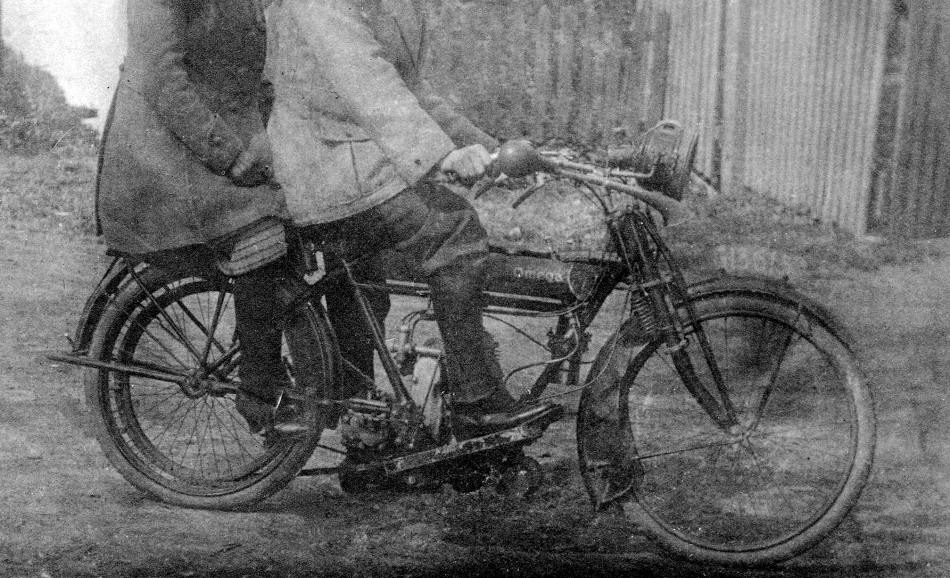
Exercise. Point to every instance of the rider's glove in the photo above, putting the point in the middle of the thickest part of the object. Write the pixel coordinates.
(467, 163)
(253, 166)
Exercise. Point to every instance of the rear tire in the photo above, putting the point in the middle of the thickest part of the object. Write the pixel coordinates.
(784, 478)
(190, 447)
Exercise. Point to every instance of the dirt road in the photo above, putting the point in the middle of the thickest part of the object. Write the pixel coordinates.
(65, 512)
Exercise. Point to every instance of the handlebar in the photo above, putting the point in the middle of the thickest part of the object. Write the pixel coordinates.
(519, 158)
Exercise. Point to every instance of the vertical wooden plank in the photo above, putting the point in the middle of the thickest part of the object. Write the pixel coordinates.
(776, 91)
(599, 125)
(848, 192)
(815, 129)
(898, 184)
(586, 81)
(542, 78)
(793, 86)
(718, 131)
(864, 65)
(829, 96)
(925, 161)
(633, 72)
(887, 138)
(838, 178)
(612, 116)
(736, 95)
(941, 186)
(903, 209)
(705, 91)
(768, 65)
(832, 97)
(519, 75)
(791, 33)
(681, 57)
(713, 96)
(696, 111)
(563, 72)
(755, 161)
(804, 104)
(659, 67)
(874, 61)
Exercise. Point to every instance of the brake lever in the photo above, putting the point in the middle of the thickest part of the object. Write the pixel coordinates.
(527, 194)
(486, 184)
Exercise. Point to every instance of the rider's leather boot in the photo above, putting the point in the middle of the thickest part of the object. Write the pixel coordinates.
(480, 402)
(262, 372)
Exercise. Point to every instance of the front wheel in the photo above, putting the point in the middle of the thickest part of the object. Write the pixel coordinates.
(182, 440)
(777, 478)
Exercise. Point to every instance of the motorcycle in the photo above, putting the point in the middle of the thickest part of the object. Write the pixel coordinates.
(729, 419)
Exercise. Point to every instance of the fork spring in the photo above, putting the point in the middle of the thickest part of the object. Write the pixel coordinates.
(640, 307)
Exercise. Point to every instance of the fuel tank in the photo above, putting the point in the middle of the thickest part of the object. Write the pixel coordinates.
(518, 273)
(540, 277)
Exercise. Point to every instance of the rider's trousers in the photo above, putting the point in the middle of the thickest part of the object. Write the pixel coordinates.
(442, 237)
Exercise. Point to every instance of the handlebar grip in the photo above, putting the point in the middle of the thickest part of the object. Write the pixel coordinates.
(519, 158)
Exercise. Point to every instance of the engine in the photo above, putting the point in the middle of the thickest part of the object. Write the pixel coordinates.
(372, 425)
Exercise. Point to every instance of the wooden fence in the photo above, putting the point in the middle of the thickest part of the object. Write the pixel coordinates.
(572, 70)
(819, 103)
(911, 194)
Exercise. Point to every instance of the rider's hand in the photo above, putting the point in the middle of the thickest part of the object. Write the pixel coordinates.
(467, 163)
(253, 166)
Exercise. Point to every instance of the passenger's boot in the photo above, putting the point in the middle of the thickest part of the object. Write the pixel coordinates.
(262, 372)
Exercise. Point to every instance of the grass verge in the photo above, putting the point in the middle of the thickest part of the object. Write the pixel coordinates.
(48, 192)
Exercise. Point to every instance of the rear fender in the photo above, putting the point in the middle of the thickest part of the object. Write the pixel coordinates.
(115, 277)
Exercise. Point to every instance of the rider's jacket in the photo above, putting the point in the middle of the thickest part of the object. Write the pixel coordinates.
(354, 121)
(186, 105)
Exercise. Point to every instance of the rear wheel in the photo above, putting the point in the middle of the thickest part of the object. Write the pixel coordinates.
(778, 480)
(184, 442)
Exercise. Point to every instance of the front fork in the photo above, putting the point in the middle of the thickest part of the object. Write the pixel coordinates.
(642, 249)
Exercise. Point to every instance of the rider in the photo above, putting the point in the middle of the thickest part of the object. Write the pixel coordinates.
(185, 161)
(357, 134)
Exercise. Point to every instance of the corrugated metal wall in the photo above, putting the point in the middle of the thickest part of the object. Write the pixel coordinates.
(787, 93)
(912, 195)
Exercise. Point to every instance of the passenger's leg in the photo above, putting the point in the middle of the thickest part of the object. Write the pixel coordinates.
(353, 336)
(261, 369)
(254, 258)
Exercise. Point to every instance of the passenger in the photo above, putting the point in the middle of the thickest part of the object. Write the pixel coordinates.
(185, 167)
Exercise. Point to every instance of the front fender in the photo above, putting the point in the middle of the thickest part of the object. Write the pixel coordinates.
(606, 448)
(780, 290)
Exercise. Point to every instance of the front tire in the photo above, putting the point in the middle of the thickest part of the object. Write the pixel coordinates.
(768, 488)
